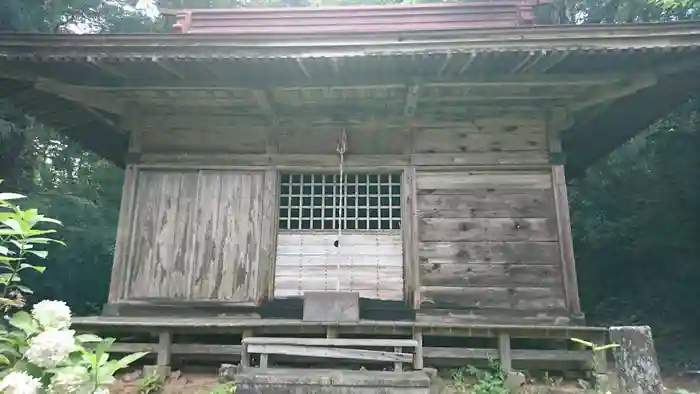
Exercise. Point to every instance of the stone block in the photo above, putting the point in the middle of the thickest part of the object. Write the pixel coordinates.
(331, 306)
(635, 360)
(308, 381)
(161, 370)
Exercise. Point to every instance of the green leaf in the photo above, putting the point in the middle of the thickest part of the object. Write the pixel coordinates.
(88, 338)
(25, 322)
(50, 220)
(585, 343)
(4, 360)
(41, 240)
(39, 253)
(11, 196)
(37, 268)
(14, 224)
(23, 289)
(605, 347)
(130, 358)
(33, 232)
(5, 250)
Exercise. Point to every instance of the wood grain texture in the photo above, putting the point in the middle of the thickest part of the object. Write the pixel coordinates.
(522, 298)
(370, 263)
(227, 247)
(489, 241)
(489, 275)
(123, 239)
(488, 229)
(565, 239)
(268, 236)
(328, 352)
(197, 236)
(546, 253)
(162, 227)
(531, 204)
(482, 181)
(434, 140)
(505, 316)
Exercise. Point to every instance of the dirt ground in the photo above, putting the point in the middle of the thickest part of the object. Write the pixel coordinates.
(201, 382)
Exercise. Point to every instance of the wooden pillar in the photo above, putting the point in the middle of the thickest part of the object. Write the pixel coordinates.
(409, 224)
(165, 345)
(268, 242)
(245, 357)
(331, 332)
(418, 355)
(559, 120)
(504, 354)
(117, 283)
(566, 243)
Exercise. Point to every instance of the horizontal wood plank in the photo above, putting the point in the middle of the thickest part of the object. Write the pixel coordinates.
(326, 352)
(516, 354)
(546, 253)
(178, 348)
(488, 275)
(504, 316)
(434, 140)
(480, 158)
(483, 180)
(535, 298)
(468, 204)
(483, 229)
(364, 342)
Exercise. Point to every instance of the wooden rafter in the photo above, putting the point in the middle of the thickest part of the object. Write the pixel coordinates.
(615, 91)
(412, 97)
(303, 69)
(108, 69)
(86, 98)
(262, 97)
(167, 68)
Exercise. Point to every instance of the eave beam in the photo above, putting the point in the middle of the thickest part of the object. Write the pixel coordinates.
(526, 80)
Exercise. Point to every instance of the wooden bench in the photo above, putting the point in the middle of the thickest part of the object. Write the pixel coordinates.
(337, 348)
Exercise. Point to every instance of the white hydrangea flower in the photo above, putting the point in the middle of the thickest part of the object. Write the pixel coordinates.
(101, 391)
(51, 347)
(69, 381)
(52, 314)
(19, 383)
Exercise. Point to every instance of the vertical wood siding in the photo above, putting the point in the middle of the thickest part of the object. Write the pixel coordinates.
(197, 235)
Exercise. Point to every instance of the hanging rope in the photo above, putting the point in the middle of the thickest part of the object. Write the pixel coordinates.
(341, 149)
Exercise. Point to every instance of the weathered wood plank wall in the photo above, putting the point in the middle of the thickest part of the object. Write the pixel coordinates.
(196, 235)
(488, 240)
(482, 244)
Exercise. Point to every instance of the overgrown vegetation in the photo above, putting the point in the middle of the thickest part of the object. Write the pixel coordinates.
(490, 380)
(39, 353)
(224, 388)
(150, 384)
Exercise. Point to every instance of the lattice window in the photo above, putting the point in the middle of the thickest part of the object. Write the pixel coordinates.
(314, 202)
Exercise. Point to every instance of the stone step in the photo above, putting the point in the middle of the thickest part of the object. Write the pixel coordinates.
(326, 381)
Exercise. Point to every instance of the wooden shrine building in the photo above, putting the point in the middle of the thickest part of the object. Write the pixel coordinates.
(456, 123)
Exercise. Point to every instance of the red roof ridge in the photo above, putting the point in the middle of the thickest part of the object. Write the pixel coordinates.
(357, 18)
